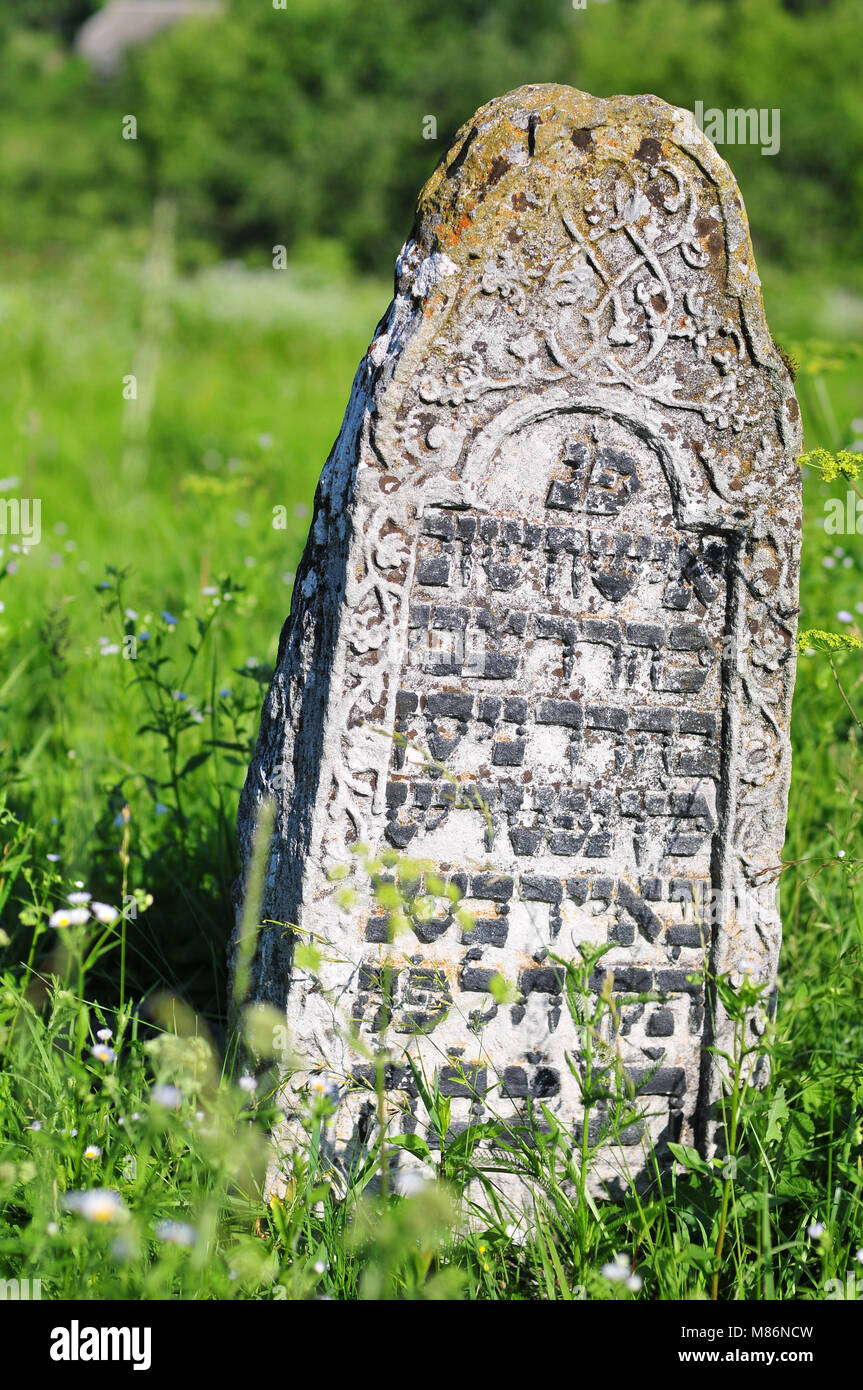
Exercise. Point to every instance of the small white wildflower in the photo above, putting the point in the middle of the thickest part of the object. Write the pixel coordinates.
(99, 1204)
(844, 616)
(92, 1151)
(111, 649)
(248, 1083)
(210, 589)
(78, 899)
(54, 858)
(319, 1267)
(36, 1125)
(52, 1229)
(617, 1270)
(840, 854)
(410, 1182)
(103, 1053)
(634, 1283)
(166, 1095)
(68, 917)
(816, 1230)
(103, 912)
(859, 1257)
(516, 1234)
(104, 1035)
(176, 1233)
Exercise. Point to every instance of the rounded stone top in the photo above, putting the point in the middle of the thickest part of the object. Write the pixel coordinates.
(495, 185)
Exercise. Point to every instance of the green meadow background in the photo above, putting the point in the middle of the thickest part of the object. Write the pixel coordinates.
(153, 257)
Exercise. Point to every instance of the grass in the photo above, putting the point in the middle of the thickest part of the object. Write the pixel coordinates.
(122, 776)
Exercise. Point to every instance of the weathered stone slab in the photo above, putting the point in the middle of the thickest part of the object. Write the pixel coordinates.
(556, 547)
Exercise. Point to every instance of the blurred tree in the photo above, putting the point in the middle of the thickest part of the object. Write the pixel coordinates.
(320, 121)
(63, 17)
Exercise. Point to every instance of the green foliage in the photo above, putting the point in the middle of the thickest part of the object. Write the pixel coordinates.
(283, 127)
(831, 466)
(831, 643)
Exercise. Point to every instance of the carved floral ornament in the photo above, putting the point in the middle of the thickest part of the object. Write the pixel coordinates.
(613, 274)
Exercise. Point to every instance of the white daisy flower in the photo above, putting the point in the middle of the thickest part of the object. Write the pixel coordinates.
(617, 1270)
(104, 913)
(248, 1083)
(410, 1182)
(103, 1053)
(92, 1151)
(78, 899)
(99, 1204)
(176, 1233)
(320, 1087)
(69, 917)
(104, 1035)
(167, 1095)
(816, 1230)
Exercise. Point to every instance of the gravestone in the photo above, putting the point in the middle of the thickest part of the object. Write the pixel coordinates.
(542, 638)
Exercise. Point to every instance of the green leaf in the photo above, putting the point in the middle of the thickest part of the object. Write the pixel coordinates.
(776, 1115)
(413, 1144)
(307, 958)
(690, 1158)
(196, 760)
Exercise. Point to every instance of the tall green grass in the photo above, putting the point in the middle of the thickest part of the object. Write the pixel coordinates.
(122, 776)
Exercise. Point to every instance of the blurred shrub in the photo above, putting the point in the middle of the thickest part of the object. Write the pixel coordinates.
(280, 126)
